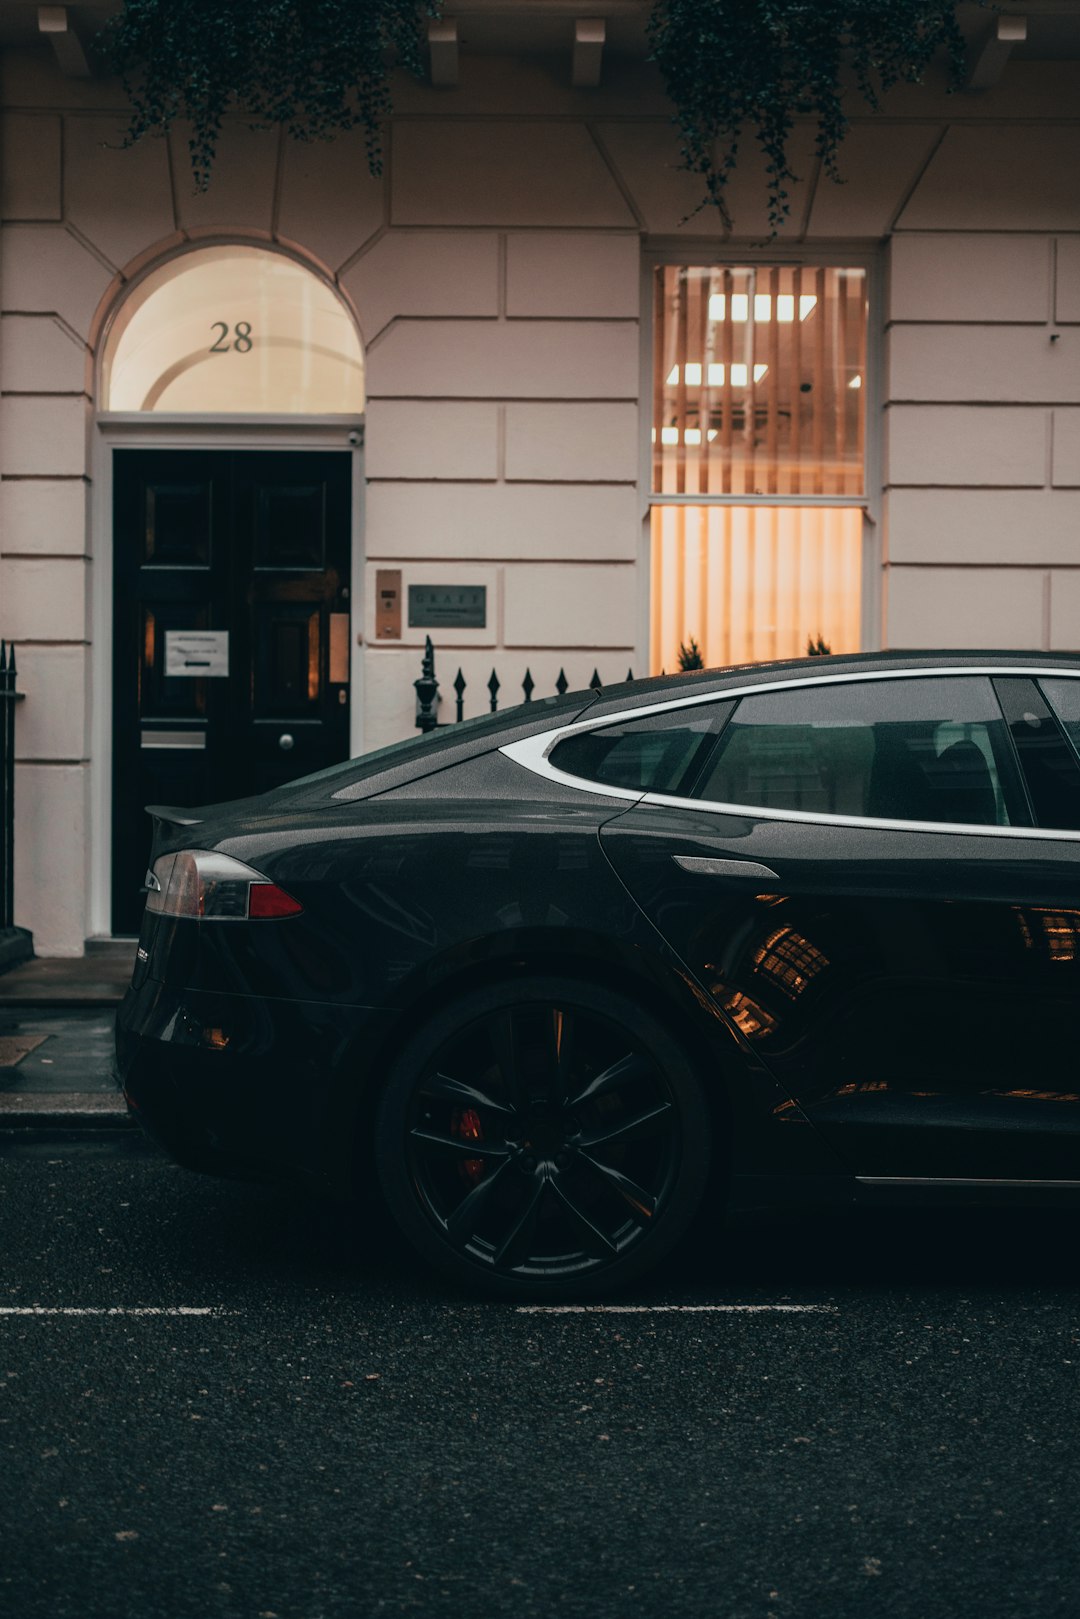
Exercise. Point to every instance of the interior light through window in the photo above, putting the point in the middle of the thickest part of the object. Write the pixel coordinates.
(763, 306)
(739, 375)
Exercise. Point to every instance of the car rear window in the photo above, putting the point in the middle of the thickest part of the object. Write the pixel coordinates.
(897, 749)
(659, 753)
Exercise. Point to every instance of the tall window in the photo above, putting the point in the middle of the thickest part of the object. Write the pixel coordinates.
(758, 460)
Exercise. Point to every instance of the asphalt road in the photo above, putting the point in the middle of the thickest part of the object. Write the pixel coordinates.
(341, 1437)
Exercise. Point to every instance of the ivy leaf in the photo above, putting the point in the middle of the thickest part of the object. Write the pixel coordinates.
(314, 67)
(731, 65)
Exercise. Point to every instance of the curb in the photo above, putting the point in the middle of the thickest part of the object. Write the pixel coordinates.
(69, 1110)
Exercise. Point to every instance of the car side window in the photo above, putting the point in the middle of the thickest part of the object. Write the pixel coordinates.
(1049, 765)
(916, 749)
(659, 753)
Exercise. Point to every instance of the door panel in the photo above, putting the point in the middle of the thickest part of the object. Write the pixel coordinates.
(915, 992)
(255, 544)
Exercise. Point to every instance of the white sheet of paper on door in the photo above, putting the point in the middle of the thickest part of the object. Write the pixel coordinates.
(197, 652)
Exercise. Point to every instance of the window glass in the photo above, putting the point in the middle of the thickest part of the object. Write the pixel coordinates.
(1050, 768)
(759, 374)
(1064, 698)
(233, 329)
(660, 753)
(902, 749)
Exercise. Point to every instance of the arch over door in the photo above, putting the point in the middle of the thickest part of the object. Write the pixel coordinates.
(233, 330)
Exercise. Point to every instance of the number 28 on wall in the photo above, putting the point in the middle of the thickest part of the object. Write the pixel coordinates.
(241, 339)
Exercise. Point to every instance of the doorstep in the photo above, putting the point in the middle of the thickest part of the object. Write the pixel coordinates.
(99, 978)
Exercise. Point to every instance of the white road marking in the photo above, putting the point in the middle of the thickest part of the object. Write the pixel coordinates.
(113, 1309)
(677, 1309)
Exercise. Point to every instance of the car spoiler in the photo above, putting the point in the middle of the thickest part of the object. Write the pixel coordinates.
(167, 821)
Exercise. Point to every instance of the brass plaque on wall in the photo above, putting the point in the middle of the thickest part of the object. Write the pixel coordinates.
(388, 604)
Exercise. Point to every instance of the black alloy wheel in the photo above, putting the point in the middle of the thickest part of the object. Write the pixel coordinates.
(543, 1139)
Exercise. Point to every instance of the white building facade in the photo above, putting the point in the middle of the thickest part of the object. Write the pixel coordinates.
(508, 395)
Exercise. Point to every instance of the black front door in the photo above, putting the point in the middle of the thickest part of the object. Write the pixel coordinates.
(231, 633)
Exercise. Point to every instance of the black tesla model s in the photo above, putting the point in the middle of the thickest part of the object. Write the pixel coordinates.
(558, 980)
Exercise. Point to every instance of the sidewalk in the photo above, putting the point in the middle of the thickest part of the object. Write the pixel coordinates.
(56, 1042)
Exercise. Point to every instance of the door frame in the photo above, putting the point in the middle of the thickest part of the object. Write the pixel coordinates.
(137, 431)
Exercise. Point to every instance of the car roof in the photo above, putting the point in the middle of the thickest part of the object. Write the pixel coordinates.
(697, 682)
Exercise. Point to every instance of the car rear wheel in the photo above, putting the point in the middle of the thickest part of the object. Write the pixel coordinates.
(543, 1139)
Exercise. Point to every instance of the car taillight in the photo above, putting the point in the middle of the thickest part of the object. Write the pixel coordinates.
(210, 887)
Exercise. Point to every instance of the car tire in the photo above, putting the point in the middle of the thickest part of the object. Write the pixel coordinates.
(543, 1139)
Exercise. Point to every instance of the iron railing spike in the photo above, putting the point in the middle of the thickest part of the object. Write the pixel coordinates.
(493, 688)
(594, 683)
(528, 685)
(562, 683)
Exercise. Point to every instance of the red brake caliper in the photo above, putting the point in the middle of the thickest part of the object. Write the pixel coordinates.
(465, 1124)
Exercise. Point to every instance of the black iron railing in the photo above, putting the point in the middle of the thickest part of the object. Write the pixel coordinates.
(8, 698)
(428, 695)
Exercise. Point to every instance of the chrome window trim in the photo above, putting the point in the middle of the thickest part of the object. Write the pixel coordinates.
(532, 753)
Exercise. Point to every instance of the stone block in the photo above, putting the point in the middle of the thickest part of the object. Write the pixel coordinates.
(645, 155)
(424, 273)
(966, 444)
(44, 599)
(468, 172)
(43, 516)
(568, 443)
(964, 277)
(1065, 457)
(1006, 364)
(44, 435)
(39, 355)
(51, 721)
(1067, 280)
(46, 270)
(878, 164)
(573, 274)
(569, 605)
(489, 521)
(965, 607)
(412, 438)
(999, 177)
(51, 854)
(30, 166)
(984, 526)
(329, 204)
(1065, 610)
(240, 196)
(120, 199)
(506, 360)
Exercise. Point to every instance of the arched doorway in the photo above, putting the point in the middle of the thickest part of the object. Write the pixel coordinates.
(231, 538)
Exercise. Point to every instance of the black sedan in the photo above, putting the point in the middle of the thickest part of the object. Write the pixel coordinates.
(556, 982)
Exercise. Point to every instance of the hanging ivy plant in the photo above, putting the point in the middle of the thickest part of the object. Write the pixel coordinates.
(316, 67)
(737, 65)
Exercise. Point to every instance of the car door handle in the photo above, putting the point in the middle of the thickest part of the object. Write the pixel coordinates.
(710, 866)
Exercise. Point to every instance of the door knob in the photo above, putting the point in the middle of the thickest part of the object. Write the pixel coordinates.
(285, 741)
